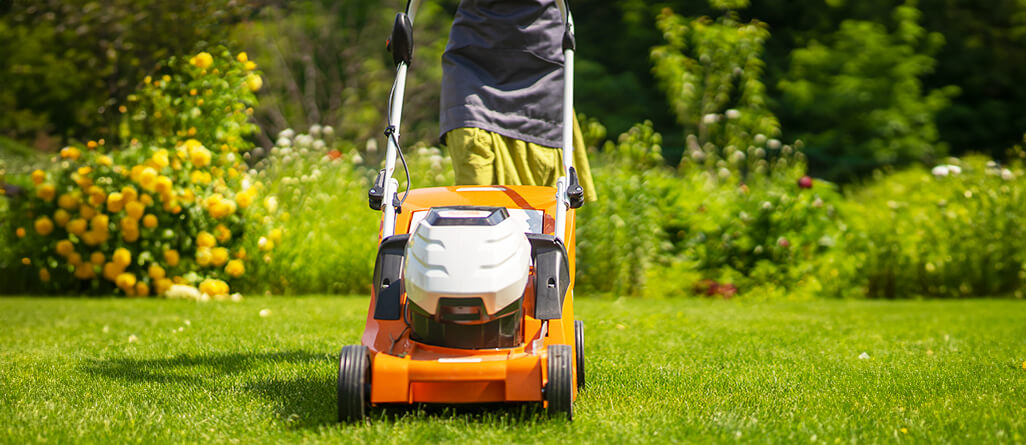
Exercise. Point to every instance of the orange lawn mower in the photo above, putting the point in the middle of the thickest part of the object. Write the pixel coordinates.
(472, 299)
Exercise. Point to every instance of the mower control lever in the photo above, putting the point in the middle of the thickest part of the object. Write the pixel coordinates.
(401, 42)
(574, 192)
(376, 194)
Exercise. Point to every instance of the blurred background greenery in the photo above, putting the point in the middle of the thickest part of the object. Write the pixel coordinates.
(706, 123)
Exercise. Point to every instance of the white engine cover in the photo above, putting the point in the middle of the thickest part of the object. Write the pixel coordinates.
(466, 253)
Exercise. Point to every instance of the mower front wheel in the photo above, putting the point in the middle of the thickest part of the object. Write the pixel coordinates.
(559, 392)
(353, 378)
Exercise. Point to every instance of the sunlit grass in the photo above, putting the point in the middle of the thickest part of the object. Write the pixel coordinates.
(116, 371)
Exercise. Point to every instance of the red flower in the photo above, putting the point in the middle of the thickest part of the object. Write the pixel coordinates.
(805, 182)
(334, 154)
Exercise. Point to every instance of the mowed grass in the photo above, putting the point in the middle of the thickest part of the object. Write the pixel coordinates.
(658, 371)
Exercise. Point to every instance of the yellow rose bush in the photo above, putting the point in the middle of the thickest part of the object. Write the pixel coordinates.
(169, 206)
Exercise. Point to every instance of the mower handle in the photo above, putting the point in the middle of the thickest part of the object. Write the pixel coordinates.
(568, 189)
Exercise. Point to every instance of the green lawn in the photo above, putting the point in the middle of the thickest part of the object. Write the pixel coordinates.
(659, 371)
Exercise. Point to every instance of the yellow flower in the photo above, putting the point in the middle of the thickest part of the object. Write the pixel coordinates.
(223, 233)
(115, 202)
(46, 192)
(129, 194)
(44, 226)
(84, 271)
(97, 258)
(241, 253)
(65, 248)
(265, 244)
(254, 82)
(104, 160)
(38, 177)
(149, 221)
(125, 280)
(156, 272)
(171, 257)
(20, 232)
(100, 223)
(275, 236)
(146, 198)
(70, 153)
(122, 257)
(205, 239)
(235, 268)
(162, 285)
(67, 201)
(199, 177)
(246, 197)
(202, 60)
(44, 275)
(135, 210)
(130, 236)
(61, 217)
(218, 256)
(84, 170)
(198, 154)
(77, 226)
(142, 289)
(250, 65)
(163, 185)
(26, 261)
(203, 256)
(242, 57)
(96, 196)
(111, 271)
(136, 172)
(87, 212)
(214, 287)
(148, 178)
(75, 259)
(161, 158)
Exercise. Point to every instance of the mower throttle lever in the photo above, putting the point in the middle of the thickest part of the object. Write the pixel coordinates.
(574, 192)
(376, 194)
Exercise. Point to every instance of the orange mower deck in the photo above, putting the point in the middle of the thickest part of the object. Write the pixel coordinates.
(406, 371)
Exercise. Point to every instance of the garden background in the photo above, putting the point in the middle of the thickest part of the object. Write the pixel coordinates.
(773, 150)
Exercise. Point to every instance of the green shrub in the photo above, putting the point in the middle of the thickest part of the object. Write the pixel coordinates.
(168, 207)
(316, 196)
(954, 232)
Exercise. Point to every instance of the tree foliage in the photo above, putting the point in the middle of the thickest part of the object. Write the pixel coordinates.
(859, 97)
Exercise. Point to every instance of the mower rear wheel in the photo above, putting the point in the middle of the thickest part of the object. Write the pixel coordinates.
(559, 392)
(353, 378)
(579, 349)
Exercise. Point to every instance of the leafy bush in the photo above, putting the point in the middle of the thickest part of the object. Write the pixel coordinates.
(712, 71)
(620, 237)
(169, 207)
(325, 235)
(68, 64)
(955, 231)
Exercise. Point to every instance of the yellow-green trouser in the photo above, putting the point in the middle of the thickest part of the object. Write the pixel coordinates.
(481, 157)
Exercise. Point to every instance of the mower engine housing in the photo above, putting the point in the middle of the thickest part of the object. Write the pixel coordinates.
(465, 272)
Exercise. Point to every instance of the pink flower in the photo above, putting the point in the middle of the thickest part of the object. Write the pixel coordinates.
(805, 182)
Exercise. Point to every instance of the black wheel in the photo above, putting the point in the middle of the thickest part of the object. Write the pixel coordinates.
(559, 392)
(579, 355)
(353, 377)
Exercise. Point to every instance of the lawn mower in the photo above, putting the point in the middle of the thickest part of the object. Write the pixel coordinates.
(472, 298)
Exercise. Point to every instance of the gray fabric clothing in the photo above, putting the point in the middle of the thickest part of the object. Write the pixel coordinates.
(502, 70)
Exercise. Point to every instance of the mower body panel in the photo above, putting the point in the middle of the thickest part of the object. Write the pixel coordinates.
(404, 370)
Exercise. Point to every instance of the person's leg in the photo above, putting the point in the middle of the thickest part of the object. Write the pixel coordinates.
(472, 156)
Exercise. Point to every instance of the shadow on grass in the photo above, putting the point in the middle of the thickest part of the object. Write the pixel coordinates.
(304, 401)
